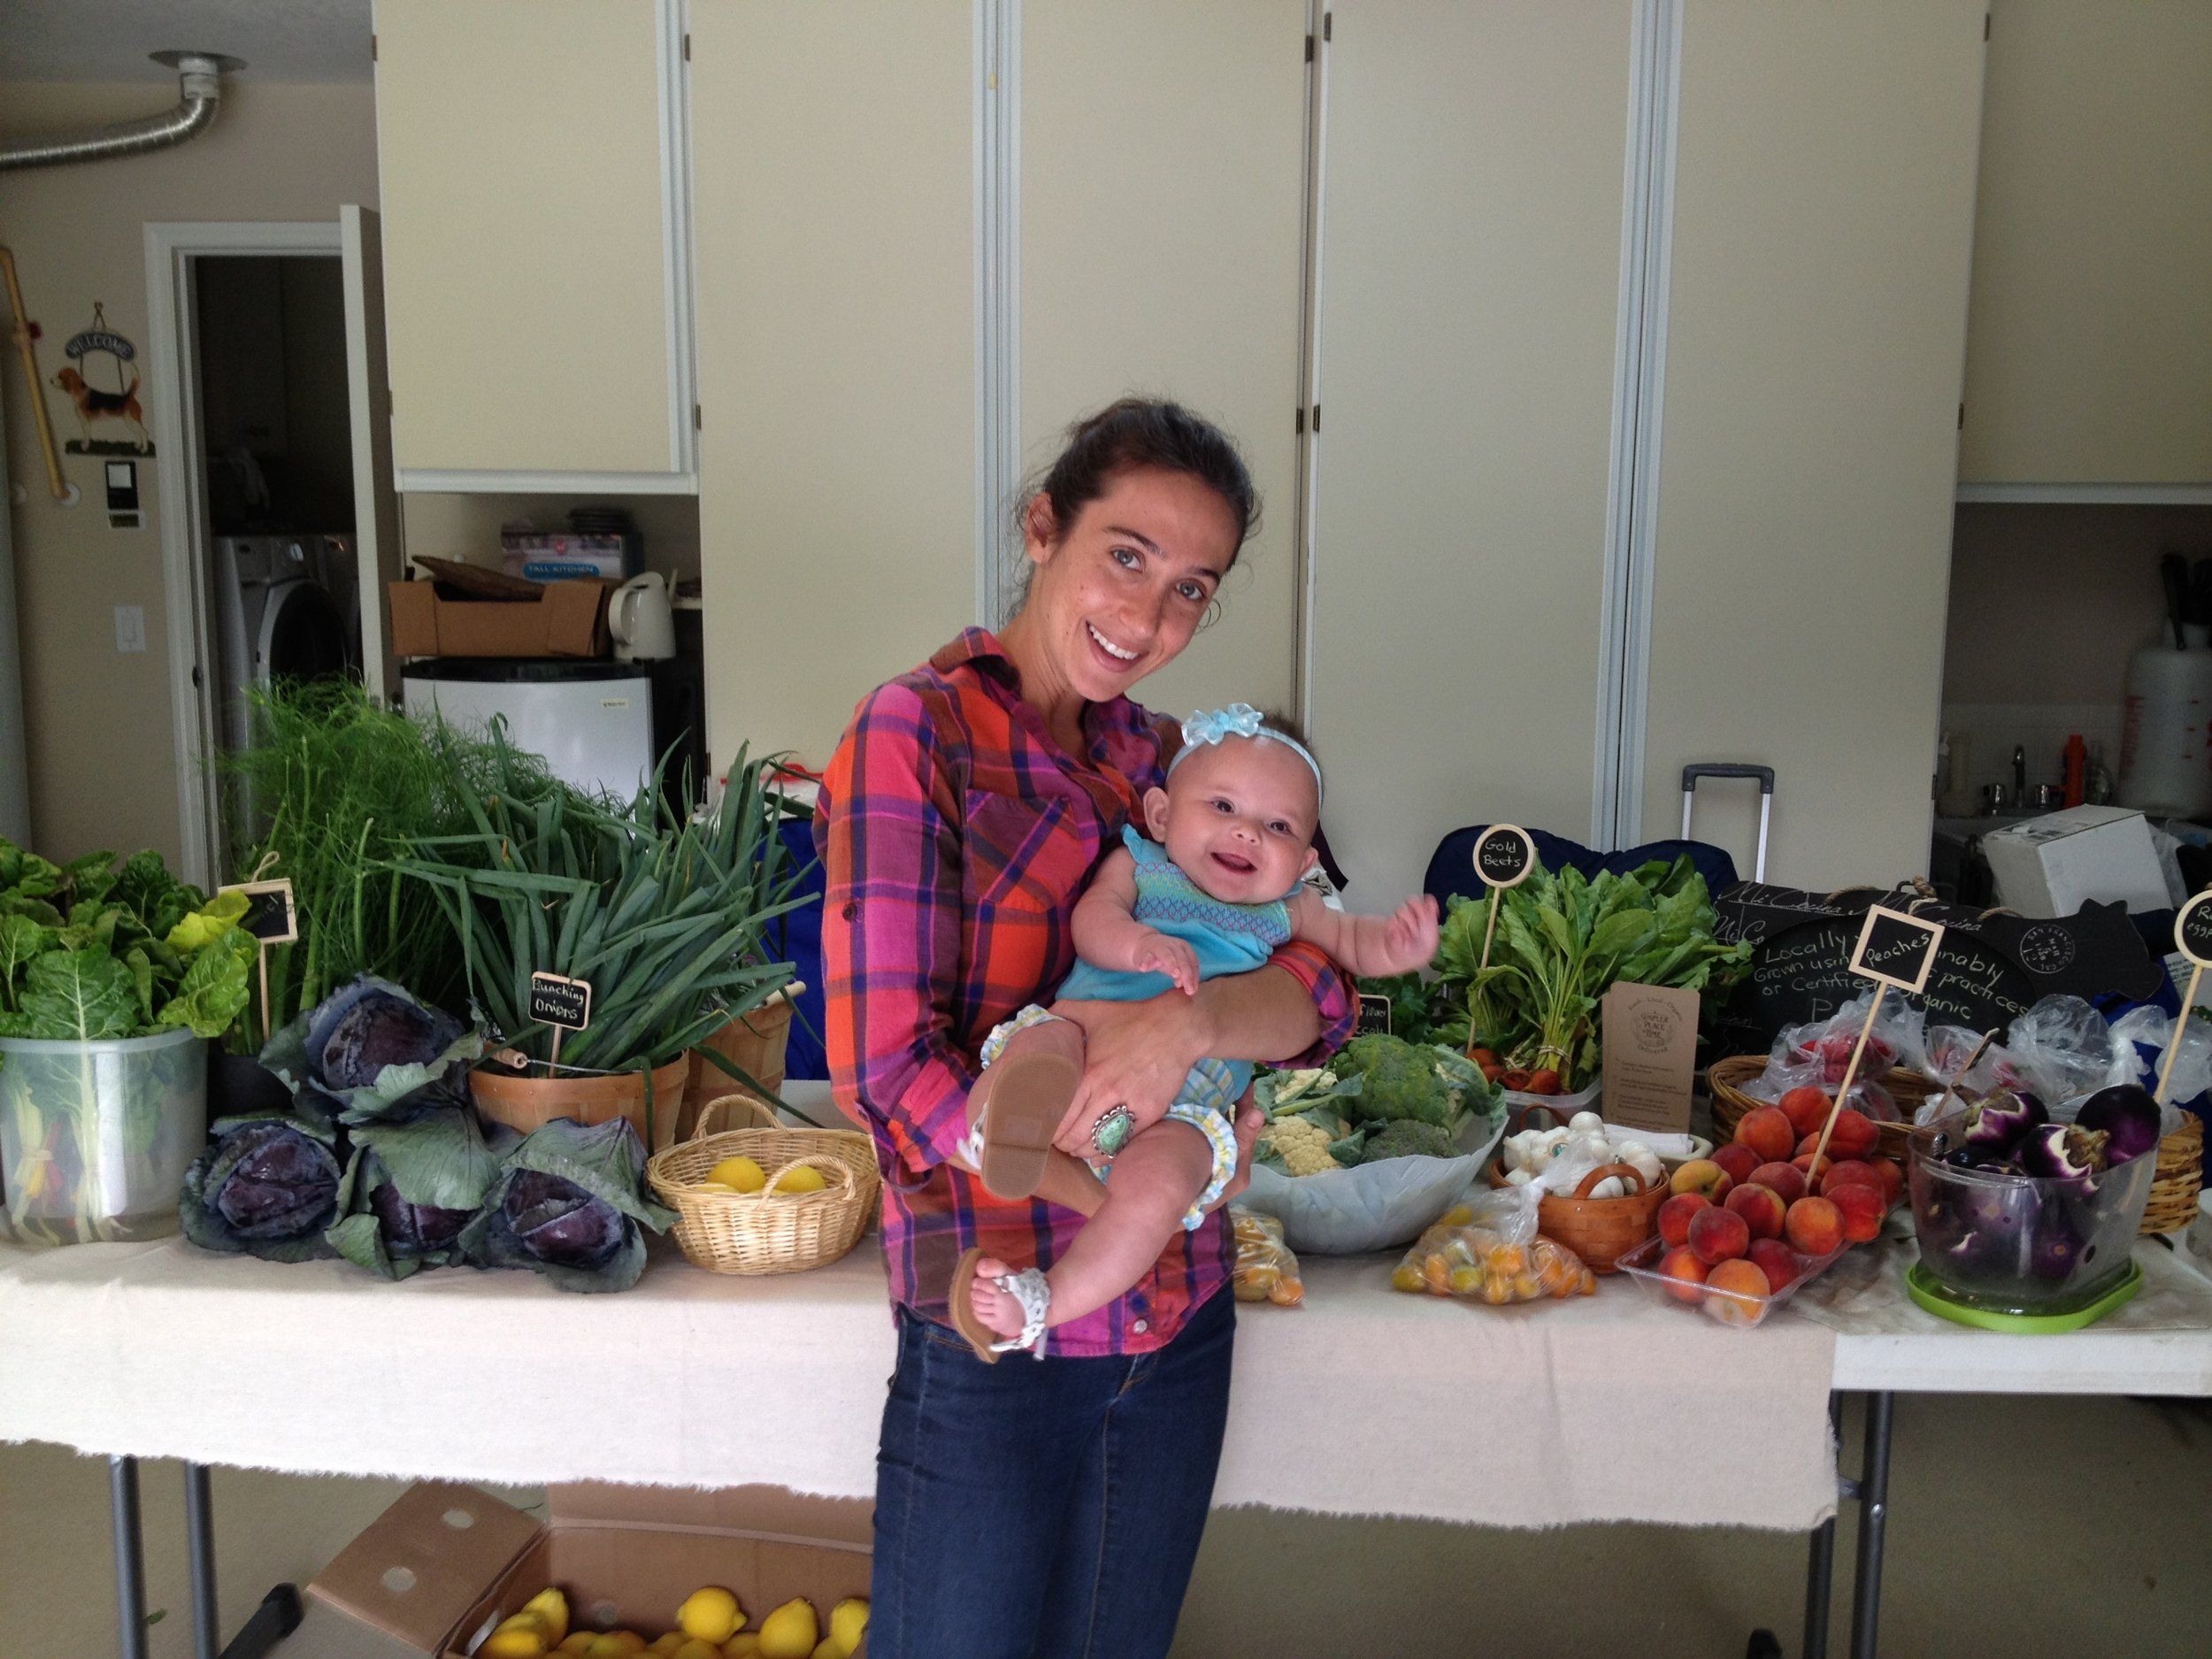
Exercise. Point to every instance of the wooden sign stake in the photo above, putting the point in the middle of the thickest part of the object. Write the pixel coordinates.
(1973, 1059)
(272, 919)
(2193, 937)
(1504, 854)
(1894, 950)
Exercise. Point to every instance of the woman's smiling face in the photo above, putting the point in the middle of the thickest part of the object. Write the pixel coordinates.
(1120, 592)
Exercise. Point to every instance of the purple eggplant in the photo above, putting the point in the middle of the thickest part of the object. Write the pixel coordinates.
(1981, 1161)
(2062, 1152)
(2127, 1117)
(1998, 1120)
(2055, 1247)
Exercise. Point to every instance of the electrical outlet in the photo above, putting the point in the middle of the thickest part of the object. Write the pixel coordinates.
(130, 628)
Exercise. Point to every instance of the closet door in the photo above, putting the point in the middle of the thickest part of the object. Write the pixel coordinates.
(1162, 177)
(1470, 288)
(832, 173)
(1822, 219)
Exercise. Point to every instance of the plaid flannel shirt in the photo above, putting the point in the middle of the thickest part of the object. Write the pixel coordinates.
(957, 836)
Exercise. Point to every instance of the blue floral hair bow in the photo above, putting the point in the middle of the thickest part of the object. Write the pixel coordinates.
(1209, 726)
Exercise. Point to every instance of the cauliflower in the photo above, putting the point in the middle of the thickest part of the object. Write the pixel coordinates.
(1299, 1147)
(1403, 1137)
(1291, 1085)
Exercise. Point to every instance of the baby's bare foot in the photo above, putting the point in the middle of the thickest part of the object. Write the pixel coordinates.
(997, 1309)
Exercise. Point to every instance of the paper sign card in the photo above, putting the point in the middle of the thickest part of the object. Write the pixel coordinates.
(1374, 1015)
(557, 1000)
(270, 916)
(1650, 1056)
(1504, 856)
(1896, 950)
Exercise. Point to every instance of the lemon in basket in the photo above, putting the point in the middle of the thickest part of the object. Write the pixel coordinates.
(739, 1175)
(789, 1632)
(801, 1178)
(710, 1615)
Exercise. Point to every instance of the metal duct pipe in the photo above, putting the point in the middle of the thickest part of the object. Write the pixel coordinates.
(200, 77)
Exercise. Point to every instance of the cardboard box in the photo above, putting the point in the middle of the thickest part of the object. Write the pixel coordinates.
(2050, 866)
(547, 557)
(571, 620)
(445, 1563)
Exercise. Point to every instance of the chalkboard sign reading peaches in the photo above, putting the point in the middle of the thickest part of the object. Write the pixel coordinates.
(1896, 951)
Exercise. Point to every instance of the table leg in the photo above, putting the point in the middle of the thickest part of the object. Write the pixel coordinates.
(1820, 1558)
(199, 1538)
(130, 1559)
(1866, 1600)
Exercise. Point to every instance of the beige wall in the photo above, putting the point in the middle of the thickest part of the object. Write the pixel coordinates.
(102, 762)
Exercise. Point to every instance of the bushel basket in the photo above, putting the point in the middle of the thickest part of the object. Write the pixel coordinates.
(766, 1232)
(1726, 1080)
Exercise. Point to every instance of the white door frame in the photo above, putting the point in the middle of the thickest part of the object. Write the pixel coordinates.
(178, 469)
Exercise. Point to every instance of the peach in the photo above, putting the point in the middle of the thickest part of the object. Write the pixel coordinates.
(1729, 1290)
(1767, 1131)
(1814, 1227)
(1702, 1175)
(1785, 1180)
(1892, 1179)
(1777, 1260)
(1805, 1107)
(1686, 1272)
(1854, 1134)
(1738, 1159)
(1850, 1172)
(1803, 1165)
(1717, 1235)
(1762, 1209)
(1675, 1214)
(1862, 1208)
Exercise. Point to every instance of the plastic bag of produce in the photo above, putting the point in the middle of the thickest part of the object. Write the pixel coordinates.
(2063, 1050)
(1266, 1271)
(1457, 1258)
(1376, 1205)
(2138, 1049)
(1818, 1053)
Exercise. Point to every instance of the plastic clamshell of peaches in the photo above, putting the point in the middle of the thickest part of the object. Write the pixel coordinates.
(1745, 1228)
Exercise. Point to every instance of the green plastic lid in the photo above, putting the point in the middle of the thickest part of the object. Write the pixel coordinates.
(1923, 1288)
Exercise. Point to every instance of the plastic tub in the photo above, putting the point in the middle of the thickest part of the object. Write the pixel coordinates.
(95, 1137)
(1727, 1306)
(2017, 1244)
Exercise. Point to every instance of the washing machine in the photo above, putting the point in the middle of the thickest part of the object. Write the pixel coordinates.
(277, 619)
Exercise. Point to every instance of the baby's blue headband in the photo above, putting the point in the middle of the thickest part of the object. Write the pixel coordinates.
(1207, 727)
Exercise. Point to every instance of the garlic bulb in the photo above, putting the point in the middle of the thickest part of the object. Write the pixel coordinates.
(1586, 1124)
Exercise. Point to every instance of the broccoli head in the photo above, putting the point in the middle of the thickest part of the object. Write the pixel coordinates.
(1399, 1079)
(1407, 1138)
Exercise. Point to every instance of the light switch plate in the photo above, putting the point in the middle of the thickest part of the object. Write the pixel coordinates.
(130, 628)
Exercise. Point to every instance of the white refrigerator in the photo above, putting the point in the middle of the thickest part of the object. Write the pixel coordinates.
(592, 721)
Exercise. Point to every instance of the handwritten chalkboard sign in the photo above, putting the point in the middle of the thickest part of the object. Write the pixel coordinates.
(1374, 1015)
(2192, 931)
(557, 1000)
(1896, 950)
(1504, 854)
(270, 915)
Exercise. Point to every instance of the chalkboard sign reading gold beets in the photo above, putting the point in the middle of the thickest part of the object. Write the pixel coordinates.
(1504, 854)
(2193, 937)
(561, 1002)
(1895, 949)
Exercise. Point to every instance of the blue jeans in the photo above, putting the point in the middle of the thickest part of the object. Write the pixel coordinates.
(1046, 1508)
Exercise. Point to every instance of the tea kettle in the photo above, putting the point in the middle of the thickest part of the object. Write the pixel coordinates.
(640, 617)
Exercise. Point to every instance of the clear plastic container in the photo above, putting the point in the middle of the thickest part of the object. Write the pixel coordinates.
(2019, 1244)
(1727, 1306)
(95, 1137)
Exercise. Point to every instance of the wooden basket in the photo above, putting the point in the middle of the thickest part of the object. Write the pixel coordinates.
(766, 1232)
(754, 1042)
(524, 1102)
(2173, 1201)
(1726, 1077)
(1601, 1231)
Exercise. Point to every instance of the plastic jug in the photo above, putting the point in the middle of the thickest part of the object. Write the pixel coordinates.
(2166, 744)
(642, 622)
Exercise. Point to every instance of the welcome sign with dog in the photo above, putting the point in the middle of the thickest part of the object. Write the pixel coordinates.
(95, 404)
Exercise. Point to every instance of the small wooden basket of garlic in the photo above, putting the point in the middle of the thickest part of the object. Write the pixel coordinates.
(1600, 1190)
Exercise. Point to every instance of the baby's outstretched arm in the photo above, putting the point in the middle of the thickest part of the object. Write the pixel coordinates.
(1370, 946)
(1109, 935)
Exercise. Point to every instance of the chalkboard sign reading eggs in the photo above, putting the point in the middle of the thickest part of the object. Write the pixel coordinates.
(2192, 931)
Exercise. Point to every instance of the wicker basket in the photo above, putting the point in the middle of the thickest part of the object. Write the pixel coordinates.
(766, 1232)
(2173, 1201)
(1726, 1077)
(1601, 1231)
(754, 1042)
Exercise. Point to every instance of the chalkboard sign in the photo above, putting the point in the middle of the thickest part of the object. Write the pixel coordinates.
(560, 1001)
(1504, 856)
(1896, 950)
(1374, 1015)
(270, 916)
(2193, 930)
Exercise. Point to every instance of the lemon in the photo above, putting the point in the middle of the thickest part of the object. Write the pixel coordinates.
(745, 1645)
(713, 1187)
(711, 1614)
(551, 1608)
(521, 1637)
(738, 1174)
(579, 1641)
(848, 1623)
(669, 1643)
(615, 1644)
(828, 1650)
(696, 1649)
(789, 1632)
(630, 1640)
(801, 1178)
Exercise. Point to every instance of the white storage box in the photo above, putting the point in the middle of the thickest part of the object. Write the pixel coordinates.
(2054, 865)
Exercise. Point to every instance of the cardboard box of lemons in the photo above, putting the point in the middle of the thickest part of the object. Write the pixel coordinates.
(711, 1615)
(800, 1177)
(740, 1174)
(848, 1623)
(790, 1632)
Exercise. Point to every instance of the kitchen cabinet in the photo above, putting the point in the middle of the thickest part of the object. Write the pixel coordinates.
(2089, 342)
(536, 260)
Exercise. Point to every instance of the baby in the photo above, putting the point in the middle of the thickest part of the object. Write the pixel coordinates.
(1214, 891)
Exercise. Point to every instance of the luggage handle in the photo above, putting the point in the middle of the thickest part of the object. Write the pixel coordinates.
(1762, 775)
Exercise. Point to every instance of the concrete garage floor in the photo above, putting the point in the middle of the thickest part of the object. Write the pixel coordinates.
(2018, 1527)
